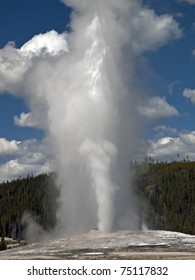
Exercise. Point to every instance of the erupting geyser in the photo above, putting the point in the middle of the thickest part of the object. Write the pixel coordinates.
(81, 88)
(91, 124)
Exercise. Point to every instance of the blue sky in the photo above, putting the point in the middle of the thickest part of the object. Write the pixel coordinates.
(22, 20)
(170, 77)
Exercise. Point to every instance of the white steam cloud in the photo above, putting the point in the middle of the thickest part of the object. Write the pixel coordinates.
(80, 88)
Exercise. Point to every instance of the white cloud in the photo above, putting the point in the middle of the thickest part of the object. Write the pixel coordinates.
(157, 108)
(8, 147)
(151, 32)
(14, 63)
(193, 52)
(188, 138)
(27, 157)
(12, 68)
(14, 169)
(165, 148)
(49, 43)
(25, 120)
(190, 94)
(168, 148)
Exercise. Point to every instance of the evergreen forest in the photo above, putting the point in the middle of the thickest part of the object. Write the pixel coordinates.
(36, 196)
(166, 193)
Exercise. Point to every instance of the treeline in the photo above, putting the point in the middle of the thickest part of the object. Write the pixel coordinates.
(36, 196)
(167, 192)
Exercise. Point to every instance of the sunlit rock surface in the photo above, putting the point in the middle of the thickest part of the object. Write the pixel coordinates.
(118, 245)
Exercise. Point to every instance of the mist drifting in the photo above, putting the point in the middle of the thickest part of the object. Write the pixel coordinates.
(81, 89)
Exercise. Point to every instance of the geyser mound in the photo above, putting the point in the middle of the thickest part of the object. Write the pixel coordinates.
(118, 245)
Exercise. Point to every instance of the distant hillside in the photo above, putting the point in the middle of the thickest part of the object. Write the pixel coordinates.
(168, 194)
(166, 191)
(34, 195)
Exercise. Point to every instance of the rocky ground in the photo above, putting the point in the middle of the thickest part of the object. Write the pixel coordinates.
(13, 243)
(118, 245)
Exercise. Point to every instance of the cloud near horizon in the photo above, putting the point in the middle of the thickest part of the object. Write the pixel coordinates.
(25, 158)
(8, 148)
(173, 148)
